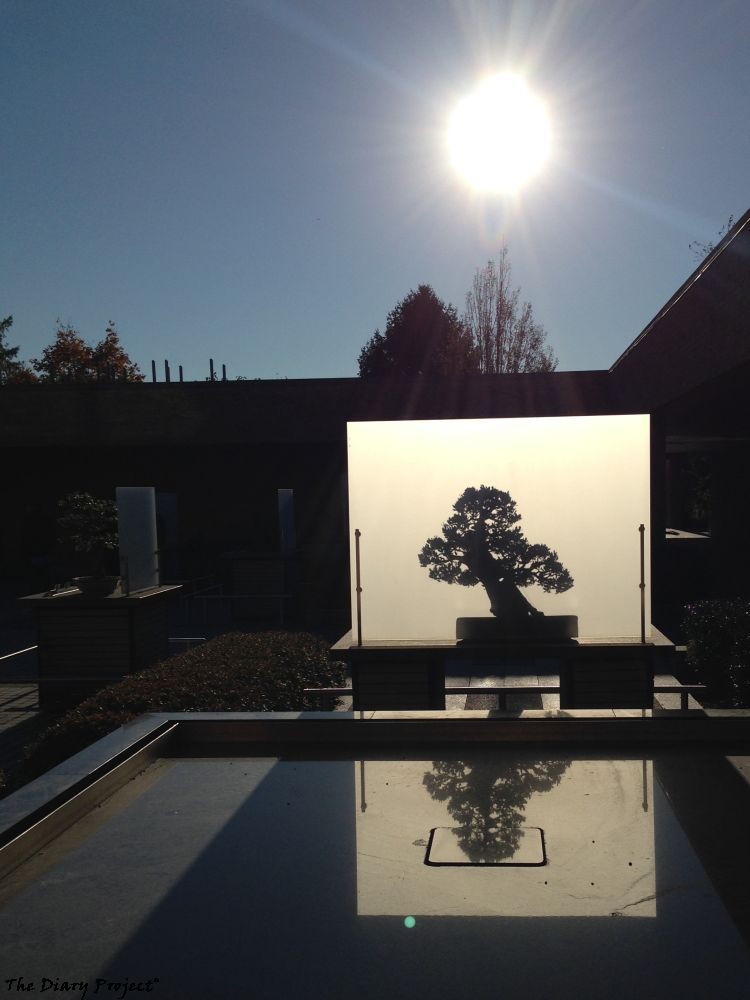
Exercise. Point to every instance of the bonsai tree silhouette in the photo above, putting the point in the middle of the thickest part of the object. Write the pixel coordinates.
(481, 543)
(88, 525)
(488, 800)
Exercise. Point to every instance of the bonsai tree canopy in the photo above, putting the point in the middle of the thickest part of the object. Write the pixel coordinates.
(89, 526)
(482, 543)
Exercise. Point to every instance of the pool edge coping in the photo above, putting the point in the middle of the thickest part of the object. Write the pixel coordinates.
(37, 812)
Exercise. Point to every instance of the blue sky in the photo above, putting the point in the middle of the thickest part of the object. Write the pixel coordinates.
(260, 181)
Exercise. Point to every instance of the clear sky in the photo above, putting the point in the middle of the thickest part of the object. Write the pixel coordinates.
(260, 181)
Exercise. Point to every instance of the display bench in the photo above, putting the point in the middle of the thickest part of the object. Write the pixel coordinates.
(86, 643)
(410, 674)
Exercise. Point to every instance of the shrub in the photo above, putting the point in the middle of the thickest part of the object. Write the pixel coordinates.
(718, 649)
(236, 672)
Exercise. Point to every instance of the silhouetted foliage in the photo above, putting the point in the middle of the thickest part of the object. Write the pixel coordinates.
(507, 337)
(88, 525)
(12, 371)
(481, 543)
(702, 250)
(487, 799)
(110, 360)
(717, 634)
(70, 359)
(698, 483)
(423, 336)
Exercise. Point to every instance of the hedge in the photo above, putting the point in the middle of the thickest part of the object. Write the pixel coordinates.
(236, 672)
(718, 650)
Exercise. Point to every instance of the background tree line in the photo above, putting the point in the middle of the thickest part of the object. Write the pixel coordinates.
(497, 333)
(68, 359)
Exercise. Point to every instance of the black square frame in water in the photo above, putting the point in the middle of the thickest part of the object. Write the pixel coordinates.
(444, 844)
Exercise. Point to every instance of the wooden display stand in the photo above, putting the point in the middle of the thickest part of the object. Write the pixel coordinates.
(86, 643)
(410, 675)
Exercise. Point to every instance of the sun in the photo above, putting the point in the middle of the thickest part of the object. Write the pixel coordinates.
(499, 136)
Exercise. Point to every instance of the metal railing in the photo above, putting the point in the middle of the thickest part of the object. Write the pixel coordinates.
(18, 652)
(663, 686)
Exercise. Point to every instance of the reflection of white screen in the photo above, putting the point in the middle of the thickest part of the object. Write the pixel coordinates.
(598, 824)
(581, 486)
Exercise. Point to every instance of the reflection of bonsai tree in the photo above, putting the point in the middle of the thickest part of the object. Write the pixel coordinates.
(487, 800)
(481, 545)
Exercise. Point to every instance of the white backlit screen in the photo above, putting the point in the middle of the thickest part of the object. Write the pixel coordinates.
(579, 484)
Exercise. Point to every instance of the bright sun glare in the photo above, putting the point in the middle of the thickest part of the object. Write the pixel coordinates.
(499, 136)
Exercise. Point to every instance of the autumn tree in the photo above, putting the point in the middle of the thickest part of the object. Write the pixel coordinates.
(423, 336)
(507, 337)
(70, 359)
(482, 543)
(11, 369)
(111, 361)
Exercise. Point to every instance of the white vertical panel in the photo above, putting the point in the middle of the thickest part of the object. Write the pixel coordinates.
(581, 486)
(136, 525)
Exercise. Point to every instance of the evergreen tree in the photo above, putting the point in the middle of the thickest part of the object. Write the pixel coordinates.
(423, 336)
(11, 370)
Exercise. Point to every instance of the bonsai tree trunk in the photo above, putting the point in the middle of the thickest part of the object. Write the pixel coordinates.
(506, 600)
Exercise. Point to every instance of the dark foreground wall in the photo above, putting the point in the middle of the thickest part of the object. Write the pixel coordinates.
(218, 452)
(700, 335)
(282, 411)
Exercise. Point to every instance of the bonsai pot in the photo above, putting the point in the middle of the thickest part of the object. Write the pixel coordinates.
(96, 586)
(539, 628)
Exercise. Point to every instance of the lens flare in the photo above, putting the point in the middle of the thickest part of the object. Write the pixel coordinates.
(499, 136)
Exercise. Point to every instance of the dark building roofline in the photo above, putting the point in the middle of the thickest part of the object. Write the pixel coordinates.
(701, 334)
(704, 266)
(279, 411)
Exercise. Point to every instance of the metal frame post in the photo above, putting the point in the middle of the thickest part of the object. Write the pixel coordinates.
(357, 535)
(642, 584)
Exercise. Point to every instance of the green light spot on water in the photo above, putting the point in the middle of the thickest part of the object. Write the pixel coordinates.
(409, 922)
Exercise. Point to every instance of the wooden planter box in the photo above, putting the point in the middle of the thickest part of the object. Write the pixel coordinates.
(617, 678)
(87, 643)
(396, 682)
